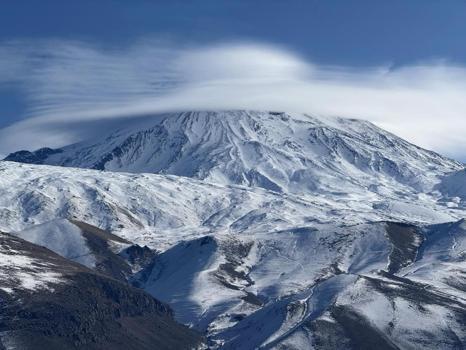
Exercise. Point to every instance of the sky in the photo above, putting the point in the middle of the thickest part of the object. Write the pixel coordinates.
(67, 66)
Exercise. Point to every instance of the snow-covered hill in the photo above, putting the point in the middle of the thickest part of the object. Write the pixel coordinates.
(311, 286)
(283, 152)
(161, 210)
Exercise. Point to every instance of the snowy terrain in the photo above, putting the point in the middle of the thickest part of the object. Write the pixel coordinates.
(272, 230)
(453, 186)
(161, 210)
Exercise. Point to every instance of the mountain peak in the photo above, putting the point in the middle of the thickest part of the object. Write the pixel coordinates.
(278, 151)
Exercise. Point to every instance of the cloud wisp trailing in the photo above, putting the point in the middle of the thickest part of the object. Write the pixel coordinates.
(72, 83)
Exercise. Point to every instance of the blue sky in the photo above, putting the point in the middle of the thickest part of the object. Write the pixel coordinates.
(357, 35)
(357, 32)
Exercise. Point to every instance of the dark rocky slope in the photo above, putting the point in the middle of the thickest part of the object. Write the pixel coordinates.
(79, 309)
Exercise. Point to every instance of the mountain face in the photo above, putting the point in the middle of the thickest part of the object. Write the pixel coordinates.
(357, 285)
(260, 230)
(48, 302)
(281, 152)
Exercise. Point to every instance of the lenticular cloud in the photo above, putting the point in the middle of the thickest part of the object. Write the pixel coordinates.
(71, 83)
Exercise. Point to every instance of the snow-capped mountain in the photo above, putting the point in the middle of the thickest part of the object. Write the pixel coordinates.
(261, 230)
(283, 152)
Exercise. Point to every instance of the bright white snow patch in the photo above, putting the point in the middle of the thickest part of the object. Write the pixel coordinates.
(62, 237)
(24, 272)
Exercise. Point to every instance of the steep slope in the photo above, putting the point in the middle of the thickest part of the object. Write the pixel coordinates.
(282, 152)
(48, 302)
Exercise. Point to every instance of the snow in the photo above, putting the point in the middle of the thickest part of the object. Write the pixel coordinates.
(296, 240)
(20, 271)
(176, 277)
(427, 322)
(232, 171)
(291, 271)
(374, 305)
(62, 237)
(161, 210)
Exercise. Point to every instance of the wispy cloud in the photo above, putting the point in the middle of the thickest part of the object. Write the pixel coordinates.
(75, 83)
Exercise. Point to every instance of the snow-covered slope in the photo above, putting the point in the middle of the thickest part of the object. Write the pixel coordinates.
(294, 288)
(90, 246)
(161, 210)
(283, 152)
(62, 237)
(22, 269)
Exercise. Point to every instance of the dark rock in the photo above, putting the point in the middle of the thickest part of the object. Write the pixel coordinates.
(406, 240)
(36, 157)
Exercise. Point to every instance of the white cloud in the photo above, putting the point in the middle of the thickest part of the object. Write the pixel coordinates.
(74, 84)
